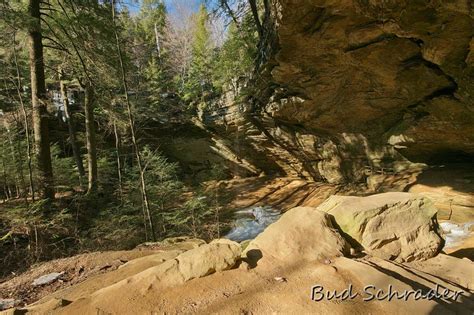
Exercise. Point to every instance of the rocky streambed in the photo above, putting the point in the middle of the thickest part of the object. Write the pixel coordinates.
(250, 222)
(456, 233)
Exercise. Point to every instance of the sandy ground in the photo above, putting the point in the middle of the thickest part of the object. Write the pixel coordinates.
(76, 269)
(284, 289)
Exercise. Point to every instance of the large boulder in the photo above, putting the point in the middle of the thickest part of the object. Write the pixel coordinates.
(218, 256)
(396, 226)
(302, 233)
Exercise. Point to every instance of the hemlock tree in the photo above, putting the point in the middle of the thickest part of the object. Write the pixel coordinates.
(152, 19)
(14, 68)
(83, 41)
(199, 79)
(236, 57)
(39, 100)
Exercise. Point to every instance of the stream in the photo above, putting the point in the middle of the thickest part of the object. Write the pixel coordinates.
(250, 222)
(455, 233)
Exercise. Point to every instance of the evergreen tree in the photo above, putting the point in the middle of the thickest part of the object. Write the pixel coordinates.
(199, 78)
(237, 56)
(39, 101)
(152, 19)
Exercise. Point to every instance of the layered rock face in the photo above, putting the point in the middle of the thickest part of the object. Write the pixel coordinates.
(357, 86)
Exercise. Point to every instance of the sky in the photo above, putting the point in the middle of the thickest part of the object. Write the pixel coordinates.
(134, 5)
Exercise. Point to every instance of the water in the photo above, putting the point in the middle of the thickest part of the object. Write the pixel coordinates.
(252, 221)
(454, 233)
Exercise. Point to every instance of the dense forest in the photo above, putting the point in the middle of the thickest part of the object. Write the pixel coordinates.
(86, 87)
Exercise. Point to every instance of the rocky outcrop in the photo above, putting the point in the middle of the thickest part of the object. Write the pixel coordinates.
(302, 233)
(175, 243)
(354, 88)
(395, 226)
(117, 298)
(398, 70)
(195, 263)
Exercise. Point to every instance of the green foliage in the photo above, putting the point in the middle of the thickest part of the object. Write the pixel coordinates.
(193, 218)
(163, 186)
(33, 233)
(199, 78)
(80, 40)
(107, 166)
(158, 85)
(152, 19)
(13, 166)
(161, 178)
(115, 227)
(67, 176)
(237, 56)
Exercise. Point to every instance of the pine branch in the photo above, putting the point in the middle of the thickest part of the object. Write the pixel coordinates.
(59, 46)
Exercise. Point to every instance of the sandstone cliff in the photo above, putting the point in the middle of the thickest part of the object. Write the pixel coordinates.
(354, 87)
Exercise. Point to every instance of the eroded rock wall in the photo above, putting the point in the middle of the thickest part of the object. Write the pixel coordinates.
(354, 87)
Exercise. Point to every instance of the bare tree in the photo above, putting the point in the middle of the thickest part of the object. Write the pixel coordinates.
(179, 39)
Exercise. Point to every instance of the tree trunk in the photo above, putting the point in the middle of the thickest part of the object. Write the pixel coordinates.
(18, 176)
(131, 122)
(118, 144)
(38, 96)
(89, 103)
(258, 24)
(157, 39)
(72, 130)
(25, 121)
(5, 180)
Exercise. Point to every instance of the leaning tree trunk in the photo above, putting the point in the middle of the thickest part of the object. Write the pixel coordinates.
(38, 96)
(89, 103)
(131, 121)
(25, 121)
(258, 24)
(72, 130)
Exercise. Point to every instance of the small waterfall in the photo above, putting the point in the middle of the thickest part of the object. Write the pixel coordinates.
(454, 233)
(252, 221)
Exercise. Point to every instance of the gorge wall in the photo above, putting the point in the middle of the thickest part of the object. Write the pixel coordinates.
(352, 87)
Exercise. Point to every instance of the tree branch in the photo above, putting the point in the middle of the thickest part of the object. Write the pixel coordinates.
(59, 45)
